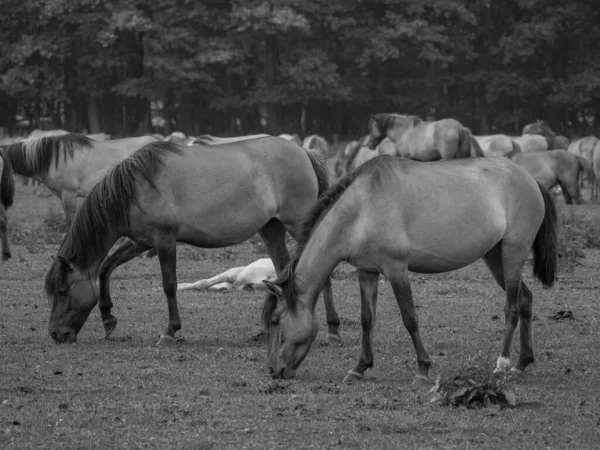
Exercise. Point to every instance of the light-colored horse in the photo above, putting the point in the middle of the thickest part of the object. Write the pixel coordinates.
(556, 167)
(424, 141)
(497, 145)
(587, 148)
(167, 193)
(248, 277)
(207, 139)
(542, 128)
(69, 165)
(530, 143)
(292, 137)
(316, 142)
(7, 193)
(392, 216)
(37, 133)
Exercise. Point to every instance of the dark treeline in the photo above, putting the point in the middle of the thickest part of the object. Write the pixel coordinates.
(243, 66)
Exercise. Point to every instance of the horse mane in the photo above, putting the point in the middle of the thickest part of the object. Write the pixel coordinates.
(106, 207)
(36, 156)
(205, 139)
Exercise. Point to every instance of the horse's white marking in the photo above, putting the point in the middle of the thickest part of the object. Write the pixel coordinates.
(238, 277)
(503, 364)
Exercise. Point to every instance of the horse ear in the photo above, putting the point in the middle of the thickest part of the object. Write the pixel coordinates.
(65, 263)
(273, 288)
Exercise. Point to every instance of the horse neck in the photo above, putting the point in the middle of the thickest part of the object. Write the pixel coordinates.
(323, 251)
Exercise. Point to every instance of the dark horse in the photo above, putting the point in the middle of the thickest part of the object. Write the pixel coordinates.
(392, 216)
(7, 193)
(542, 128)
(213, 196)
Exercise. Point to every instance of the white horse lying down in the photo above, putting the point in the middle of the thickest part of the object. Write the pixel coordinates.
(248, 277)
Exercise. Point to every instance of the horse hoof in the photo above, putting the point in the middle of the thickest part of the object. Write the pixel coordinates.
(334, 339)
(421, 382)
(109, 325)
(166, 341)
(353, 376)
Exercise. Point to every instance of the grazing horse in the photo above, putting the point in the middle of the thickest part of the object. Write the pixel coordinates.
(248, 277)
(69, 165)
(292, 137)
(423, 141)
(556, 167)
(497, 145)
(542, 128)
(7, 193)
(587, 147)
(392, 216)
(361, 153)
(166, 193)
(316, 142)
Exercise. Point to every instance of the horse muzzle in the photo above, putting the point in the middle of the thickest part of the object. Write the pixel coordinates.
(63, 336)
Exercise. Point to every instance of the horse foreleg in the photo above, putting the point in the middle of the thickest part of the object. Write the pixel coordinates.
(4, 235)
(333, 320)
(398, 277)
(69, 202)
(229, 276)
(368, 300)
(124, 252)
(165, 245)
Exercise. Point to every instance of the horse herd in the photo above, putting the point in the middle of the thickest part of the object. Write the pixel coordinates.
(441, 206)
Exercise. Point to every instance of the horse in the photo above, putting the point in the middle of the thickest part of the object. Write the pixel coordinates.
(423, 141)
(69, 165)
(7, 193)
(586, 148)
(37, 133)
(167, 193)
(100, 136)
(392, 216)
(556, 167)
(530, 143)
(292, 137)
(316, 142)
(542, 128)
(361, 153)
(497, 145)
(246, 277)
(207, 139)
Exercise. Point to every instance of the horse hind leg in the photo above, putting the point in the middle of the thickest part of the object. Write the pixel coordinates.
(165, 245)
(507, 273)
(4, 235)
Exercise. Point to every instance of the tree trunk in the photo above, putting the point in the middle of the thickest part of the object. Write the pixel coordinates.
(93, 113)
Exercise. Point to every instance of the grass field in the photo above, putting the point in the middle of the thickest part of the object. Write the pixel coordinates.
(213, 391)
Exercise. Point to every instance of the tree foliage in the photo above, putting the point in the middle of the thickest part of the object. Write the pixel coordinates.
(220, 66)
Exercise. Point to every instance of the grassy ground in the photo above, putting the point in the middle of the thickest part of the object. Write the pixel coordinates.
(212, 390)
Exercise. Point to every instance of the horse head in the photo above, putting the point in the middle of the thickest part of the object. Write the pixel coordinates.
(539, 127)
(291, 324)
(379, 124)
(72, 296)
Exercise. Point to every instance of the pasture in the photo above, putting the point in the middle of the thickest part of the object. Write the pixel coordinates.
(212, 390)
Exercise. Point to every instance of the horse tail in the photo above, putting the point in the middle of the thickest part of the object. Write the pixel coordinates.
(7, 182)
(545, 252)
(319, 165)
(516, 148)
(468, 145)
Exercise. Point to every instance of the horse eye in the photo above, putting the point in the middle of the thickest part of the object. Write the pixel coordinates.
(63, 292)
(275, 321)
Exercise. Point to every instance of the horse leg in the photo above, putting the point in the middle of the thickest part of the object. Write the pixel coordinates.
(69, 202)
(165, 245)
(398, 278)
(368, 300)
(519, 299)
(229, 276)
(4, 234)
(333, 320)
(124, 252)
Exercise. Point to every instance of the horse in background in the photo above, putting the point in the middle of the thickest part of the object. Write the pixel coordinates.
(421, 140)
(207, 139)
(69, 165)
(556, 167)
(497, 145)
(542, 128)
(531, 143)
(248, 277)
(292, 137)
(7, 193)
(318, 143)
(589, 148)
